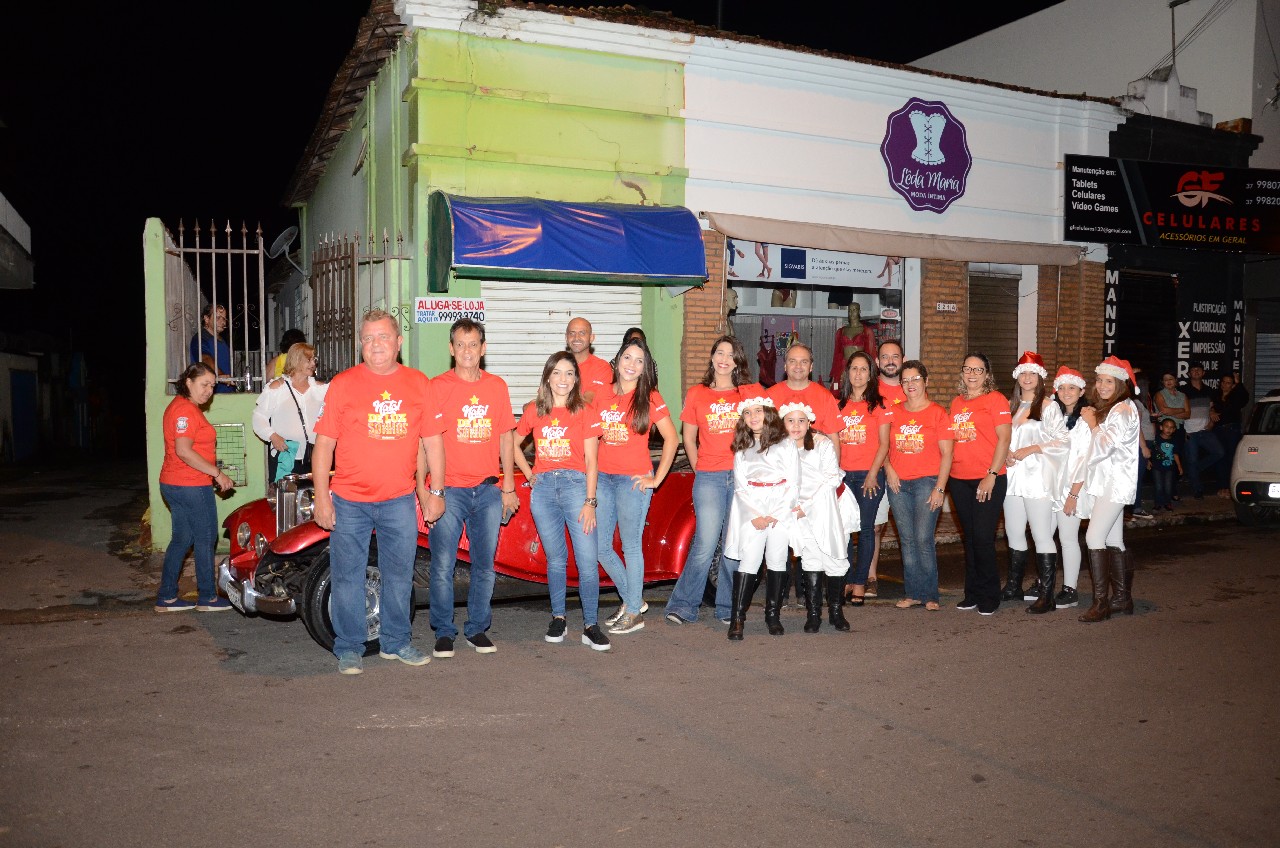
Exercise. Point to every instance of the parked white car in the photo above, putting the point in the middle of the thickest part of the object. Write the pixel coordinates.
(1255, 470)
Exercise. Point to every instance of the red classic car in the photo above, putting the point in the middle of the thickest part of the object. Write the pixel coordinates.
(279, 559)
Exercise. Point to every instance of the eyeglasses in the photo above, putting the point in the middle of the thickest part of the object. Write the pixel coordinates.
(967, 370)
(915, 379)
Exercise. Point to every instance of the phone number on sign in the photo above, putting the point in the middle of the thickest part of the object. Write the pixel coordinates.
(440, 316)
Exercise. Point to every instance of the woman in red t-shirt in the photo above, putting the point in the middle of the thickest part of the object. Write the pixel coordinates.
(564, 475)
(916, 476)
(709, 416)
(190, 464)
(627, 410)
(982, 427)
(864, 445)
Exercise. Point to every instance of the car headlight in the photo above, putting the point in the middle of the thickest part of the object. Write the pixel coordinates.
(306, 504)
(260, 545)
(242, 535)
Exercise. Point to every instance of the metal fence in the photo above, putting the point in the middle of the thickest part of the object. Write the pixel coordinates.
(350, 275)
(216, 271)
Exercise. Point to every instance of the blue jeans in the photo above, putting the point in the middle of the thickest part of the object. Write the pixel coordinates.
(916, 524)
(396, 522)
(1142, 474)
(1165, 479)
(479, 508)
(1228, 436)
(1203, 451)
(712, 495)
(195, 525)
(861, 552)
(625, 508)
(556, 502)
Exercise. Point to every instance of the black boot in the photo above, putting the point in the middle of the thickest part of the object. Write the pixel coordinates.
(813, 601)
(835, 603)
(1047, 569)
(1101, 609)
(1013, 586)
(1121, 581)
(773, 601)
(744, 586)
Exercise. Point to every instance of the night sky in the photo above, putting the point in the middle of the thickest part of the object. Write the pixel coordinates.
(174, 110)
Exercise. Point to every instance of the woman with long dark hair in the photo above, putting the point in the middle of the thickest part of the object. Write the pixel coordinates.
(1066, 461)
(1110, 483)
(190, 467)
(864, 445)
(564, 477)
(627, 410)
(980, 423)
(709, 416)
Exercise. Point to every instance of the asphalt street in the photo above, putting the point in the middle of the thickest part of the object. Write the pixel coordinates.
(122, 727)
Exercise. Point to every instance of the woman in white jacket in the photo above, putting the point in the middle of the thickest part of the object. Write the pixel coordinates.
(1026, 500)
(286, 412)
(1111, 481)
(766, 475)
(821, 518)
(1066, 458)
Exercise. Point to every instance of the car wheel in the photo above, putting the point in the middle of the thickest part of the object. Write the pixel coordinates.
(316, 600)
(1250, 515)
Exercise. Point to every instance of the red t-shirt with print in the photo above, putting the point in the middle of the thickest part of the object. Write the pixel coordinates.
(914, 438)
(595, 374)
(715, 413)
(819, 399)
(377, 421)
(472, 416)
(622, 450)
(559, 436)
(183, 419)
(973, 423)
(893, 395)
(860, 434)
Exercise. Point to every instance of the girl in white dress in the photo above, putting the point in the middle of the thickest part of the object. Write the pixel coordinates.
(1066, 459)
(1026, 500)
(1111, 481)
(821, 518)
(766, 474)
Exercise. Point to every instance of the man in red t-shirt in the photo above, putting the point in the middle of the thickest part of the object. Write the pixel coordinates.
(372, 421)
(595, 373)
(474, 425)
(798, 364)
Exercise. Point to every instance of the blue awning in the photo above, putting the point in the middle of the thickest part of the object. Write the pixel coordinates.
(533, 239)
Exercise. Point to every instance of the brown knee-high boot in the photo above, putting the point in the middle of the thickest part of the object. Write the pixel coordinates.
(1098, 571)
(1121, 581)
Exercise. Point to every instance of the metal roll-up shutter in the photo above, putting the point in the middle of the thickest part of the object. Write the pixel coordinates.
(1266, 368)
(525, 323)
(993, 324)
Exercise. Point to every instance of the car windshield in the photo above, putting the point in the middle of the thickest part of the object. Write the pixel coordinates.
(1265, 420)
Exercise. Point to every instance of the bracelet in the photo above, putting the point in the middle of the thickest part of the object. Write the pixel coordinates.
(996, 473)
(941, 491)
(510, 492)
(439, 493)
(591, 502)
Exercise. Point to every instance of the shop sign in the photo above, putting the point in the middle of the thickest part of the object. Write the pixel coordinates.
(443, 310)
(760, 261)
(1166, 204)
(927, 155)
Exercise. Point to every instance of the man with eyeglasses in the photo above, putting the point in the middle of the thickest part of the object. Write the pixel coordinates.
(372, 422)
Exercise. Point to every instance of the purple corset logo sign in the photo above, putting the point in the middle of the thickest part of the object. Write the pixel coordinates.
(927, 155)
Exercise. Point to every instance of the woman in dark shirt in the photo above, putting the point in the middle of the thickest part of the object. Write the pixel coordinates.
(1225, 413)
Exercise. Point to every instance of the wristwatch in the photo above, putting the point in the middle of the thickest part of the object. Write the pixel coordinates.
(591, 502)
(996, 473)
(439, 493)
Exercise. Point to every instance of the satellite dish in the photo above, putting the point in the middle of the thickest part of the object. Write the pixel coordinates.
(281, 246)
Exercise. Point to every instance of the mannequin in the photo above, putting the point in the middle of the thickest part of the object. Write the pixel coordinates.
(767, 359)
(853, 336)
(783, 297)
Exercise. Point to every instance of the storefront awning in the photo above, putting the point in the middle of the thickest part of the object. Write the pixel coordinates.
(525, 238)
(886, 243)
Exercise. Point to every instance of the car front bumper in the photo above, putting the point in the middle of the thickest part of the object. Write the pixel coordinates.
(247, 599)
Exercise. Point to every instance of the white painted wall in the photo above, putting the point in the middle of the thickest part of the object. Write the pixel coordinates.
(1099, 46)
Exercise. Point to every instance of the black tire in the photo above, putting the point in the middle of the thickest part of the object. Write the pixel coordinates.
(1251, 515)
(315, 601)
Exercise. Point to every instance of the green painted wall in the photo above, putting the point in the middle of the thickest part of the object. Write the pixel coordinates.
(492, 117)
(228, 408)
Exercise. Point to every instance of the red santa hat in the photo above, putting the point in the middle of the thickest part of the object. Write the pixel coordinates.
(1113, 366)
(1068, 376)
(1030, 361)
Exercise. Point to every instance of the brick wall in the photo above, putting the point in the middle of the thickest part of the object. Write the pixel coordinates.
(943, 335)
(1070, 315)
(704, 313)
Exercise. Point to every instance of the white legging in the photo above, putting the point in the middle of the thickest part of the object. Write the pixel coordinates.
(771, 544)
(1106, 526)
(1069, 536)
(1038, 512)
